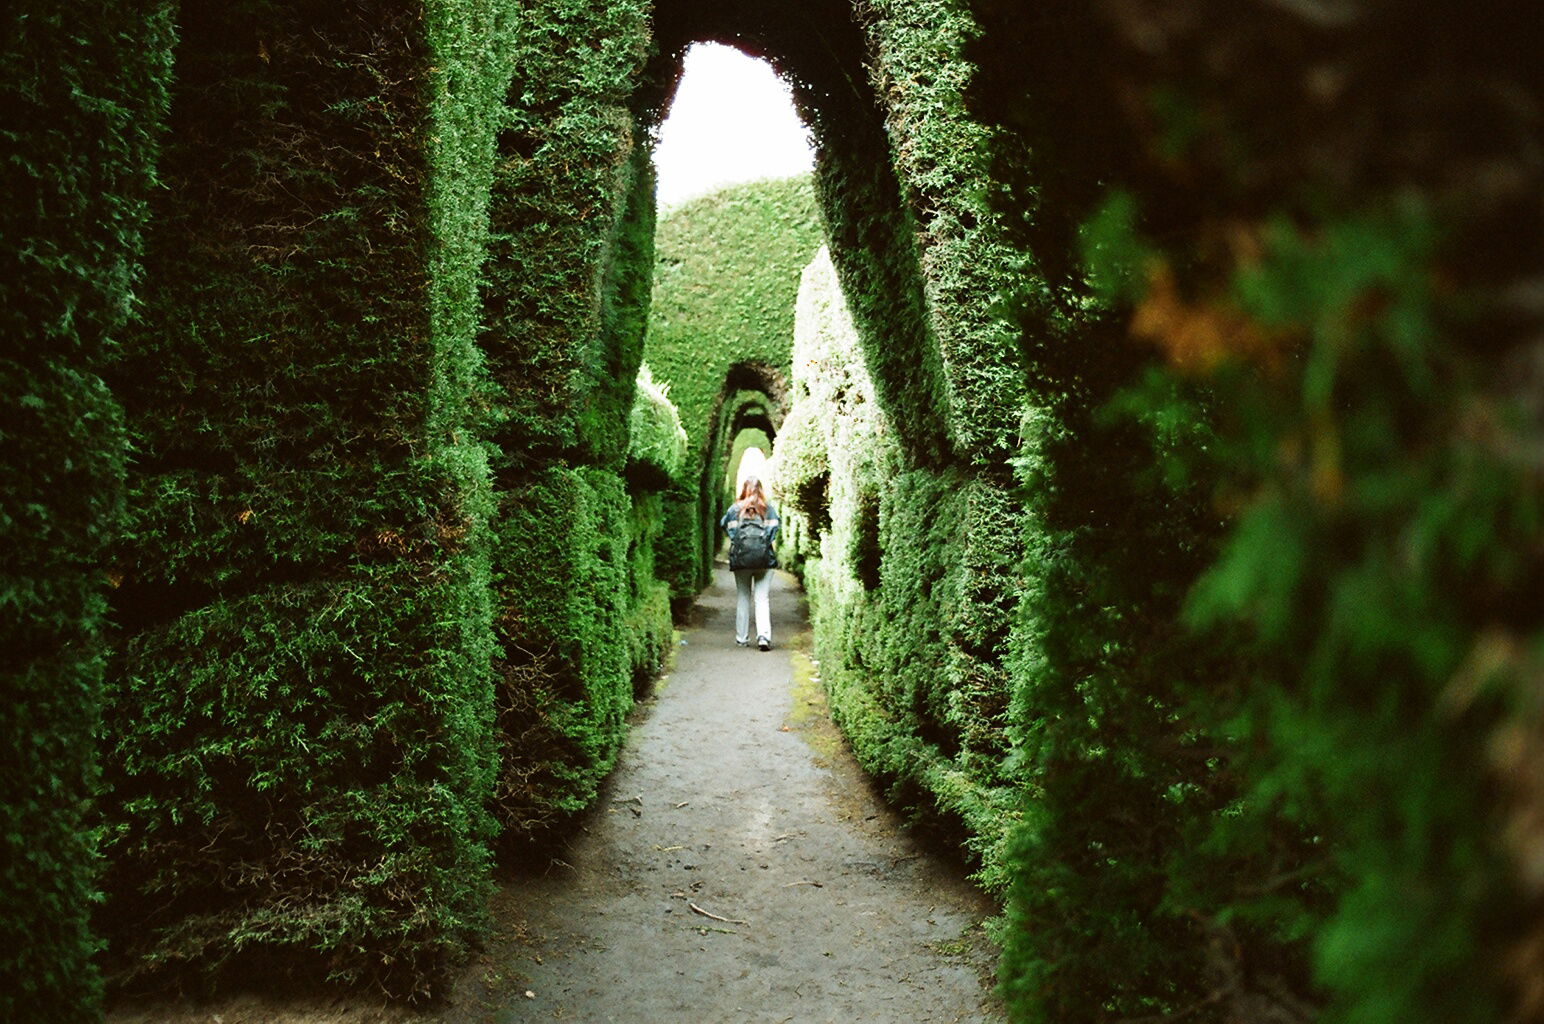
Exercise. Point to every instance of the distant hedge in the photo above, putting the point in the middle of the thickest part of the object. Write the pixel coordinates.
(726, 273)
(84, 93)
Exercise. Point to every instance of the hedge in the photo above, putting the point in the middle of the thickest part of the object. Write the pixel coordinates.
(1290, 583)
(884, 551)
(725, 276)
(300, 699)
(79, 141)
(1166, 483)
(580, 621)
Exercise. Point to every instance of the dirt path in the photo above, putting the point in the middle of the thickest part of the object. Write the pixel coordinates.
(735, 796)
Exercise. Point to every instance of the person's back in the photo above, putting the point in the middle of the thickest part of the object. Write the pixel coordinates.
(750, 541)
(752, 524)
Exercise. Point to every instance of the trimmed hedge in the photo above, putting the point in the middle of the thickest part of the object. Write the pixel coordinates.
(387, 575)
(1286, 637)
(580, 622)
(885, 553)
(300, 704)
(84, 91)
(572, 221)
(657, 442)
(566, 678)
(725, 277)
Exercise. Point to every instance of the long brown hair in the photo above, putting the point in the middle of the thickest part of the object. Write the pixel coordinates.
(753, 500)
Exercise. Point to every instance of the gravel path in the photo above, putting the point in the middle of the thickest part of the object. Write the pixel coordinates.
(735, 797)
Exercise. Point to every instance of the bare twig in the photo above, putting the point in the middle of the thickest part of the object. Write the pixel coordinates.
(818, 885)
(704, 913)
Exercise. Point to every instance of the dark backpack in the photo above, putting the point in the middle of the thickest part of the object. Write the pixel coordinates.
(750, 543)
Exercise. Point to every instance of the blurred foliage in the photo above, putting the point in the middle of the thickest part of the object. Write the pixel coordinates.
(1288, 639)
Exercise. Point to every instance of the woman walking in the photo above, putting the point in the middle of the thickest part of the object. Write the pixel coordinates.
(752, 523)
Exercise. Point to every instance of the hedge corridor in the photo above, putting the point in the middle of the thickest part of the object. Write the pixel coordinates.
(1154, 394)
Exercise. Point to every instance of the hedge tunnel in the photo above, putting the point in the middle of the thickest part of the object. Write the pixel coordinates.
(1153, 385)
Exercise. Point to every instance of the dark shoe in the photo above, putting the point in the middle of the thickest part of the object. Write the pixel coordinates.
(764, 644)
(742, 643)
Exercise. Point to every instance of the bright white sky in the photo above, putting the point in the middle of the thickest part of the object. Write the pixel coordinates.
(753, 462)
(732, 120)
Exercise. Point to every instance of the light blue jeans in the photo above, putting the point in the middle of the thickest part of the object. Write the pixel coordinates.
(754, 585)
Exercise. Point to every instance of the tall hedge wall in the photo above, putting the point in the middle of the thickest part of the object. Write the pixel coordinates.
(84, 92)
(299, 707)
(657, 456)
(917, 650)
(725, 276)
(1279, 525)
(386, 583)
(566, 303)
(884, 550)
(1211, 372)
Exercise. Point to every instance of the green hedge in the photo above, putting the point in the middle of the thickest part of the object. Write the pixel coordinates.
(84, 90)
(885, 552)
(389, 547)
(657, 442)
(572, 222)
(657, 451)
(581, 448)
(583, 622)
(725, 277)
(566, 681)
(1285, 634)
(300, 705)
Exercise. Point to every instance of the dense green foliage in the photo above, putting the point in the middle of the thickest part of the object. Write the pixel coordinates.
(78, 145)
(1284, 633)
(1204, 552)
(345, 638)
(657, 441)
(913, 540)
(657, 456)
(1158, 440)
(725, 276)
(299, 705)
(578, 617)
(880, 547)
